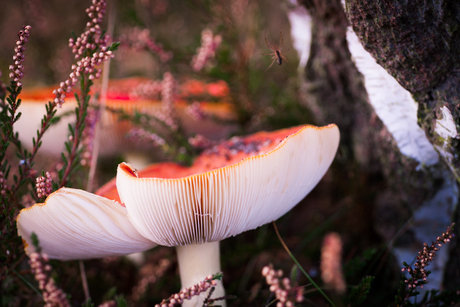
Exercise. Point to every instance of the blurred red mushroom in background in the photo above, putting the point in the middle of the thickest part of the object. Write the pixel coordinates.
(128, 95)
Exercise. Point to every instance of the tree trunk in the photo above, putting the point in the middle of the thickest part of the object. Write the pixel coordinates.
(394, 166)
(418, 43)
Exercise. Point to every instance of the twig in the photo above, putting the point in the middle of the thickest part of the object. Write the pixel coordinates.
(102, 104)
(84, 280)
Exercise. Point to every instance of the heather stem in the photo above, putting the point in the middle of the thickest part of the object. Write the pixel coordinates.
(73, 155)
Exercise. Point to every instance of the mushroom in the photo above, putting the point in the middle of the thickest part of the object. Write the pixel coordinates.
(129, 95)
(75, 224)
(33, 109)
(237, 186)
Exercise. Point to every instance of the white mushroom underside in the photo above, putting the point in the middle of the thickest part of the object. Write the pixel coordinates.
(225, 202)
(75, 224)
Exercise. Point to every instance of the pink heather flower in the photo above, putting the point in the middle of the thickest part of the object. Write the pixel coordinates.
(200, 142)
(91, 38)
(281, 287)
(167, 100)
(196, 112)
(209, 44)
(52, 295)
(88, 135)
(139, 39)
(418, 274)
(141, 135)
(3, 186)
(188, 293)
(44, 185)
(331, 259)
(17, 68)
(86, 65)
(147, 90)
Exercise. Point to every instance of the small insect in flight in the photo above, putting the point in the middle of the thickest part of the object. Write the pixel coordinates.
(277, 56)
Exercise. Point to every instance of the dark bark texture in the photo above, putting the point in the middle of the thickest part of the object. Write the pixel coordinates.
(418, 43)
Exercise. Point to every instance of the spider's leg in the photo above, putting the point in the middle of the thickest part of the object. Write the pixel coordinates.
(274, 58)
(266, 42)
(284, 58)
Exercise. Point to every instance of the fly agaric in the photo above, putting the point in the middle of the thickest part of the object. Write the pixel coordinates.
(129, 95)
(237, 186)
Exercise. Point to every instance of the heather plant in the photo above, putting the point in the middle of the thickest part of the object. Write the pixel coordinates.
(10, 199)
(418, 275)
(52, 295)
(18, 178)
(281, 287)
(224, 47)
(208, 284)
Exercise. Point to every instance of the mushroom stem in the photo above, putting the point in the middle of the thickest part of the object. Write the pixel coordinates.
(196, 261)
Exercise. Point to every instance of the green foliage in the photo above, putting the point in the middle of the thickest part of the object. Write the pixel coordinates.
(358, 294)
(121, 301)
(9, 241)
(35, 242)
(114, 46)
(110, 294)
(88, 303)
(433, 298)
(359, 264)
(72, 154)
(294, 276)
(217, 276)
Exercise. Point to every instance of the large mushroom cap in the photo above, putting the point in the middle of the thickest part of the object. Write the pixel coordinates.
(237, 186)
(240, 185)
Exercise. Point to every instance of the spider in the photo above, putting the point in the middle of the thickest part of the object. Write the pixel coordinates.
(276, 52)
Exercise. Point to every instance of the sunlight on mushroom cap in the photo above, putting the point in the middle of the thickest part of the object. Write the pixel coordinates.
(212, 204)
